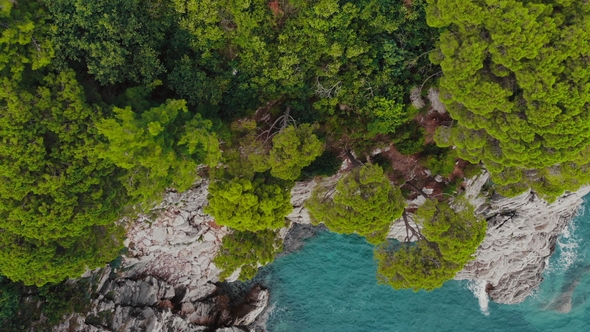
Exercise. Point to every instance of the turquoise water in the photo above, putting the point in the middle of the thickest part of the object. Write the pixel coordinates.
(330, 285)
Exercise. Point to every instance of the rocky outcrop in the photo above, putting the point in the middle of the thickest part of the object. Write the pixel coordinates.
(167, 279)
(176, 243)
(522, 233)
(150, 304)
(253, 305)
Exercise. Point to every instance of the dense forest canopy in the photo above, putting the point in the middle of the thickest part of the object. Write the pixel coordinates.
(516, 81)
(107, 104)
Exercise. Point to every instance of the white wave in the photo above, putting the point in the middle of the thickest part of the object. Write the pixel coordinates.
(478, 288)
(567, 247)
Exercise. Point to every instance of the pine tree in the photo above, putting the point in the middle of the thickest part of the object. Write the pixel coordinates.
(448, 238)
(516, 82)
(157, 150)
(364, 202)
(247, 251)
(249, 205)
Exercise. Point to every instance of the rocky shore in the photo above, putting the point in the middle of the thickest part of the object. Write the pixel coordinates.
(521, 236)
(167, 280)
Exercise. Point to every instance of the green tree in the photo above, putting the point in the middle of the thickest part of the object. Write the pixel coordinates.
(364, 202)
(516, 80)
(448, 238)
(58, 198)
(292, 149)
(249, 205)
(160, 147)
(346, 63)
(247, 251)
(413, 266)
(9, 301)
(116, 40)
(23, 40)
(36, 262)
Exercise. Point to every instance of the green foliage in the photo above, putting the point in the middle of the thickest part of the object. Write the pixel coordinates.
(414, 266)
(292, 149)
(411, 140)
(456, 230)
(63, 298)
(516, 82)
(364, 202)
(249, 205)
(348, 60)
(471, 171)
(23, 41)
(9, 301)
(448, 240)
(439, 161)
(55, 190)
(247, 251)
(39, 262)
(116, 40)
(41, 308)
(158, 149)
(383, 161)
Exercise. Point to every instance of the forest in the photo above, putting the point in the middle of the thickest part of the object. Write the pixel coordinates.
(105, 105)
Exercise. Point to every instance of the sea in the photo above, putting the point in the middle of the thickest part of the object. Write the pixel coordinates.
(330, 285)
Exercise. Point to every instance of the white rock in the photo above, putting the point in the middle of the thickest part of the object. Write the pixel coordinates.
(209, 237)
(179, 221)
(521, 232)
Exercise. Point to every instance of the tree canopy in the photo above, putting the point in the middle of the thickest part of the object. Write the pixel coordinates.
(247, 251)
(116, 40)
(249, 205)
(157, 149)
(448, 238)
(516, 82)
(363, 202)
(55, 189)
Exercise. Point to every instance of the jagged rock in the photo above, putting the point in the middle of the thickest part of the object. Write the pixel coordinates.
(253, 305)
(146, 292)
(231, 329)
(522, 232)
(198, 292)
(201, 314)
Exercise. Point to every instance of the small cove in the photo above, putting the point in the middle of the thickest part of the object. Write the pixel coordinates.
(330, 285)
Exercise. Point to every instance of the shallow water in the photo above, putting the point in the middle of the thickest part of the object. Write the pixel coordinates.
(330, 285)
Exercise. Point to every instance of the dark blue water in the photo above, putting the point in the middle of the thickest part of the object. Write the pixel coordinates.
(330, 285)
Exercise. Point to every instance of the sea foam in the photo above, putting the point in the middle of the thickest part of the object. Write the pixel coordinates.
(478, 288)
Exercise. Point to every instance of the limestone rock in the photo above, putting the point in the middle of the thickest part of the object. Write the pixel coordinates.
(146, 292)
(252, 306)
(179, 244)
(522, 233)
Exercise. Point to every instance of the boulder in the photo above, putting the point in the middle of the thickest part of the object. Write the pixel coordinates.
(253, 305)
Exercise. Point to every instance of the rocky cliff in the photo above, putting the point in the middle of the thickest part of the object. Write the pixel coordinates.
(522, 234)
(151, 304)
(167, 279)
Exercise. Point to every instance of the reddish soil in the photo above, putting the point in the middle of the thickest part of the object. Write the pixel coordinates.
(213, 225)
